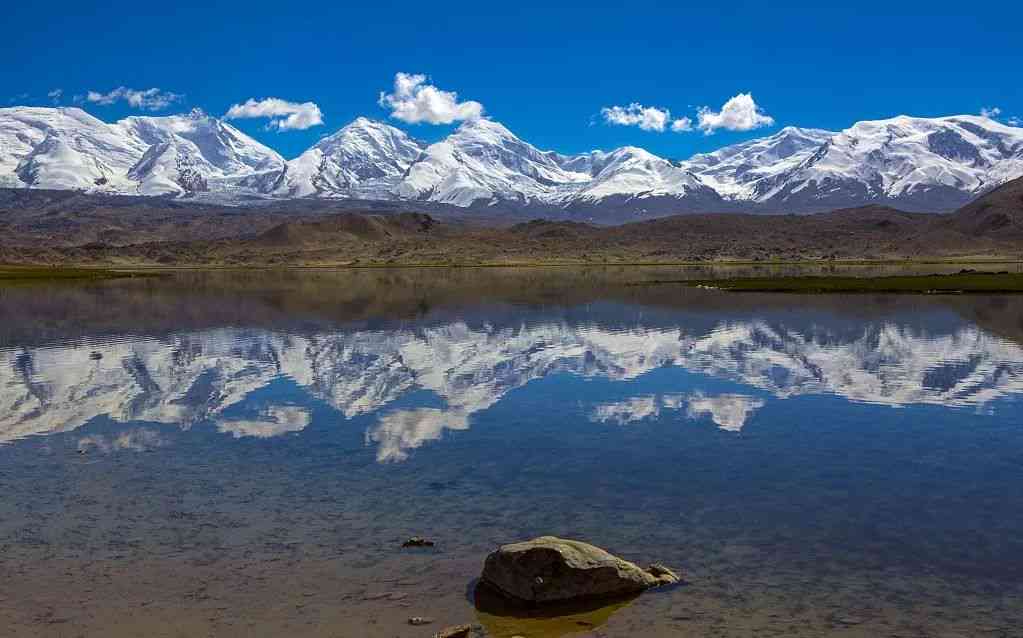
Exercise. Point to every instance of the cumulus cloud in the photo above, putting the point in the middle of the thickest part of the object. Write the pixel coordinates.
(1015, 121)
(55, 95)
(681, 125)
(146, 99)
(740, 113)
(414, 101)
(991, 111)
(647, 118)
(283, 115)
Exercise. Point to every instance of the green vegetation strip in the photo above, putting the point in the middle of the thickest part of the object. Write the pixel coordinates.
(17, 273)
(933, 284)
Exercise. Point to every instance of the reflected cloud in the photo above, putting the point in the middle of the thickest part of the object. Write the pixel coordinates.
(402, 430)
(728, 411)
(635, 409)
(135, 440)
(272, 421)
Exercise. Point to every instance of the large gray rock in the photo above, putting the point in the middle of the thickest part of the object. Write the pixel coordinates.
(551, 569)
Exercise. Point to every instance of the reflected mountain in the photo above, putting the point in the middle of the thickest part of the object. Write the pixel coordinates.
(415, 382)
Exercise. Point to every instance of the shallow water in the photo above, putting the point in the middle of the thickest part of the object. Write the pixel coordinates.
(242, 454)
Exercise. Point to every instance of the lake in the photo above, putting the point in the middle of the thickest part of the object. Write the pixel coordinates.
(242, 454)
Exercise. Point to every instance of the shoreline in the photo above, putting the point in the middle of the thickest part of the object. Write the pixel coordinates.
(74, 271)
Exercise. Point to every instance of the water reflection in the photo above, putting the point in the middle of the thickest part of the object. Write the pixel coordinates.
(418, 381)
(728, 411)
(248, 453)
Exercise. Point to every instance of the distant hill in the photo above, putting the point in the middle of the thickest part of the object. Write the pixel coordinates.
(64, 227)
(998, 214)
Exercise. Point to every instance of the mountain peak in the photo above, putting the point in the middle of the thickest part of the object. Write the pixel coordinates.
(486, 126)
(374, 132)
(365, 158)
(803, 132)
(368, 122)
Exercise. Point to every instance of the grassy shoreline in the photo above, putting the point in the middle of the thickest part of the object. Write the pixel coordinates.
(84, 271)
(966, 281)
(958, 283)
(39, 273)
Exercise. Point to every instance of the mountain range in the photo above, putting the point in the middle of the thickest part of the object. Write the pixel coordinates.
(914, 164)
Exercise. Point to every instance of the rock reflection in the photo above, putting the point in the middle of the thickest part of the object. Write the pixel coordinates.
(502, 619)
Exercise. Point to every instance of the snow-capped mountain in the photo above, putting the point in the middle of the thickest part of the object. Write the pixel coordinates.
(194, 153)
(738, 171)
(921, 164)
(484, 162)
(66, 148)
(365, 159)
(631, 179)
(912, 163)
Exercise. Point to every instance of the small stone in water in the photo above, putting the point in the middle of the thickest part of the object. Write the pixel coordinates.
(420, 620)
(417, 541)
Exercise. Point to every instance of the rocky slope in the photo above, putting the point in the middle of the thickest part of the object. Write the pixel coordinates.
(999, 213)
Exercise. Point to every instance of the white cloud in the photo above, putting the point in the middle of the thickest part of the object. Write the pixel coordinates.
(55, 95)
(682, 125)
(147, 99)
(283, 115)
(740, 113)
(1015, 121)
(413, 101)
(990, 111)
(648, 118)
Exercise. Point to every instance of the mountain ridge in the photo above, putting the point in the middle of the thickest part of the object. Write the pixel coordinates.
(917, 164)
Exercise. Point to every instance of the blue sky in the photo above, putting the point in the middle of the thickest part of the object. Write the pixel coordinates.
(544, 71)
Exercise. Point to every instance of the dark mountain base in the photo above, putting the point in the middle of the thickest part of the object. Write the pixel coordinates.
(70, 229)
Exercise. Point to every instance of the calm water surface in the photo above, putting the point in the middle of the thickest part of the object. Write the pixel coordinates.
(242, 454)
